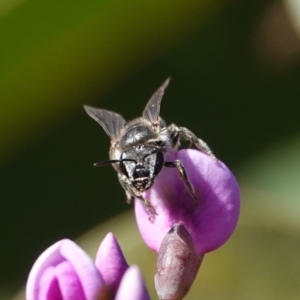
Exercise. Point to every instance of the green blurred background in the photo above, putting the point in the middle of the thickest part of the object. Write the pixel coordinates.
(235, 82)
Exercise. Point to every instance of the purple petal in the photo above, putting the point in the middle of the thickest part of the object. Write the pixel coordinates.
(132, 286)
(85, 269)
(111, 263)
(210, 221)
(61, 264)
(49, 288)
(60, 282)
(48, 258)
(68, 281)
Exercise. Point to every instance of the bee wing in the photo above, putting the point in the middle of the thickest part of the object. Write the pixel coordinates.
(152, 109)
(111, 122)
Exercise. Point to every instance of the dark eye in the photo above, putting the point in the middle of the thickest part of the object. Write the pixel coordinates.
(159, 162)
(123, 168)
(122, 164)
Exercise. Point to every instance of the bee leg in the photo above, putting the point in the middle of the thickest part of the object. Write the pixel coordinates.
(129, 198)
(178, 133)
(124, 183)
(132, 192)
(177, 164)
(150, 209)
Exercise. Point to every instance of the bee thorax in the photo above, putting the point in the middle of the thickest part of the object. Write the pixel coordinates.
(138, 134)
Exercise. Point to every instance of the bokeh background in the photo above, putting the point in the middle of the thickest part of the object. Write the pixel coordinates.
(235, 82)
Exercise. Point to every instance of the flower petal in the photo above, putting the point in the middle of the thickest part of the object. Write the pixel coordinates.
(210, 221)
(132, 286)
(49, 288)
(85, 269)
(68, 281)
(50, 271)
(111, 262)
(50, 257)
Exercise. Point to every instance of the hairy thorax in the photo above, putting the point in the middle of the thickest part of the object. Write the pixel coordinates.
(137, 135)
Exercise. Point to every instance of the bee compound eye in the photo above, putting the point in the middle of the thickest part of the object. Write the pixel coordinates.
(123, 168)
(159, 162)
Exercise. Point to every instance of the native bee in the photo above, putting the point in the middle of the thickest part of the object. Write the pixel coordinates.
(138, 147)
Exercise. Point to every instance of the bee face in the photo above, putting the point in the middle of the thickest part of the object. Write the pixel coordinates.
(142, 166)
(138, 147)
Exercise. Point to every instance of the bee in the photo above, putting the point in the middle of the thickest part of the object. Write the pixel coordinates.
(138, 147)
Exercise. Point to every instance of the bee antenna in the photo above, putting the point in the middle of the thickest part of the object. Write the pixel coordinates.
(105, 163)
(109, 162)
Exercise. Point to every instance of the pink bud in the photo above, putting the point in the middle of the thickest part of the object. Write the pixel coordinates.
(111, 263)
(132, 286)
(64, 271)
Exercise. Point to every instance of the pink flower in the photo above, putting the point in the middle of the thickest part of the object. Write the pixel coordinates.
(65, 272)
(210, 221)
(186, 228)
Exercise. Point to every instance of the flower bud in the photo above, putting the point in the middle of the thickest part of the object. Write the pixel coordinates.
(111, 263)
(177, 264)
(64, 271)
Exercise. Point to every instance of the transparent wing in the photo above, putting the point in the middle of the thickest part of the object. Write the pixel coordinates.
(111, 122)
(152, 109)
